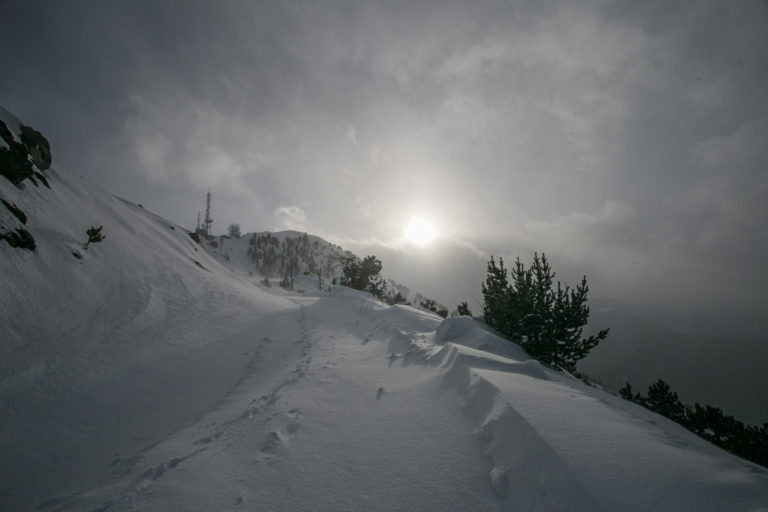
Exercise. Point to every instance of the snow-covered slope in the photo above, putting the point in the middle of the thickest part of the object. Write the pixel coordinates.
(346, 404)
(132, 311)
(146, 375)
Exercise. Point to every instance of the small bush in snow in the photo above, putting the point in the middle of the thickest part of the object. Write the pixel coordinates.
(20, 238)
(395, 297)
(434, 306)
(16, 211)
(94, 236)
(463, 310)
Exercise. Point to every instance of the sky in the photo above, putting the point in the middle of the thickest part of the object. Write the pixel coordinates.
(627, 140)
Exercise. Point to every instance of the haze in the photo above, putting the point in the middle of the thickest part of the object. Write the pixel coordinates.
(625, 139)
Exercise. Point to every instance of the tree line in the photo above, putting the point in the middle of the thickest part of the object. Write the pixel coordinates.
(706, 421)
(285, 258)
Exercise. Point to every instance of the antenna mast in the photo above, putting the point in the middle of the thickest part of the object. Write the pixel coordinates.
(208, 220)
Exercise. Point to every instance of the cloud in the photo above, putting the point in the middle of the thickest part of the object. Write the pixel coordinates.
(604, 131)
(607, 244)
(613, 215)
(289, 218)
(351, 135)
(154, 154)
(746, 146)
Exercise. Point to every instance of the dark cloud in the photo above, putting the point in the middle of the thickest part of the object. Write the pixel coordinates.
(626, 139)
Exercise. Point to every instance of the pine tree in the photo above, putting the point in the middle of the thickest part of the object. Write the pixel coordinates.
(395, 297)
(364, 275)
(626, 392)
(498, 308)
(547, 322)
(463, 309)
(664, 401)
(434, 306)
(234, 230)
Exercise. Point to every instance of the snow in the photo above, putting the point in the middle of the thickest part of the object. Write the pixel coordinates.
(151, 375)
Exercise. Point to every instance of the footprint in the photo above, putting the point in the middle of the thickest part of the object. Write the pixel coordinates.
(293, 424)
(208, 439)
(272, 442)
(154, 473)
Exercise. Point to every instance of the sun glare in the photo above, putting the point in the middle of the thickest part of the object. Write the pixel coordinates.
(419, 232)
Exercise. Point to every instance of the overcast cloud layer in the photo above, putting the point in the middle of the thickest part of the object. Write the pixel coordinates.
(628, 140)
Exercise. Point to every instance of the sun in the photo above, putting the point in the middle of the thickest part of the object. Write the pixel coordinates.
(419, 232)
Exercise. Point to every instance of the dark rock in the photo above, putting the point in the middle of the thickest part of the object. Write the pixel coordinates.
(37, 146)
(14, 165)
(16, 211)
(42, 178)
(21, 238)
(6, 134)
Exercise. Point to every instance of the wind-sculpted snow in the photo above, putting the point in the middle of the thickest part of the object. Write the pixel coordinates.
(585, 449)
(466, 331)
